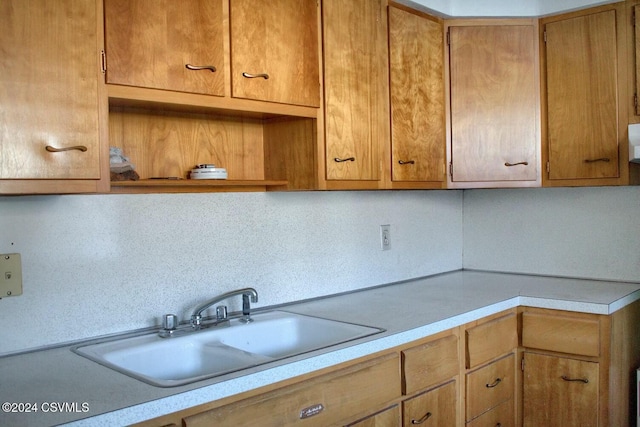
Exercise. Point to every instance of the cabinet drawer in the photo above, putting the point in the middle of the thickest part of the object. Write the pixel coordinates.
(429, 364)
(489, 386)
(502, 415)
(436, 407)
(492, 339)
(331, 397)
(561, 333)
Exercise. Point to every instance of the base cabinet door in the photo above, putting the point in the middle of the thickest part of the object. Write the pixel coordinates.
(559, 392)
(436, 407)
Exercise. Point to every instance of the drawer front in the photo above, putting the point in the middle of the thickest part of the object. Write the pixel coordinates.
(319, 402)
(429, 364)
(489, 386)
(492, 339)
(435, 408)
(561, 333)
(502, 415)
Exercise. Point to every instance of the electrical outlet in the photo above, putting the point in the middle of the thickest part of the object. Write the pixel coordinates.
(10, 275)
(385, 237)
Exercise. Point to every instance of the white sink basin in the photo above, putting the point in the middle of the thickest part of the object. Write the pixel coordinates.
(215, 351)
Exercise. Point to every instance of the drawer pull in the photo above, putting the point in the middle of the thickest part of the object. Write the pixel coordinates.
(494, 384)
(348, 159)
(255, 76)
(51, 149)
(601, 159)
(582, 380)
(408, 162)
(423, 419)
(516, 164)
(201, 67)
(310, 411)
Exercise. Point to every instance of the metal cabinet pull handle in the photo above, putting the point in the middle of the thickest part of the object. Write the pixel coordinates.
(423, 419)
(601, 159)
(409, 162)
(494, 384)
(201, 67)
(255, 76)
(348, 159)
(582, 380)
(516, 164)
(51, 149)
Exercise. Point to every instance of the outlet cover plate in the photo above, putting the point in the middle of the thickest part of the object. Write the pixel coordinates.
(10, 275)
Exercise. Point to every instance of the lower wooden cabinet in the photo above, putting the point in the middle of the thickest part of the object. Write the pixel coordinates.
(435, 407)
(490, 386)
(389, 417)
(559, 391)
(500, 416)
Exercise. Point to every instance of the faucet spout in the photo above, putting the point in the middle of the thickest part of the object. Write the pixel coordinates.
(247, 293)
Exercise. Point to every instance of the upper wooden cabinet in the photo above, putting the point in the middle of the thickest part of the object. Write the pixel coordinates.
(494, 111)
(584, 65)
(50, 108)
(274, 51)
(164, 44)
(271, 53)
(416, 63)
(356, 91)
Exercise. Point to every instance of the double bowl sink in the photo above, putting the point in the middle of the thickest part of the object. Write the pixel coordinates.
(222, 349)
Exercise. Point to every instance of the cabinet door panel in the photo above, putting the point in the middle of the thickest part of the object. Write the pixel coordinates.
(490, 385)
(493, 103)
(550, 400)
(582, 97)
(356, 88)
(280, 39)
(416, 53)
(150, 42)
(436, 407)
(49, 89)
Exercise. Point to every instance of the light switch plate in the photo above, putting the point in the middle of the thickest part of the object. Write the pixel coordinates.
(10, 275)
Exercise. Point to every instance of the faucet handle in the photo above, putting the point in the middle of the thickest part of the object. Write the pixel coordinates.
(221, 312)
(169, 322)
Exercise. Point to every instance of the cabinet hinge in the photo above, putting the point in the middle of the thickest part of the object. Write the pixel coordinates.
(548, 167)
(448, 37)
(635, 101)
(451, 169)
(103, 61)
(544, 35)
(522, 364)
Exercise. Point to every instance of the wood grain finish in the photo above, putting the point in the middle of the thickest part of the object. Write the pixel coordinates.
(416, 62)
(280, 39)
(49, 94)
(344, 393)
(429, 364)
(356, 88)
(436, 407)
(387, 418)
(560, 333)
(491, 340)
(582, 96)
(490, 385)
(169, 144)
(494, 103)
(150, 42)
(553, 402)
(500, 416)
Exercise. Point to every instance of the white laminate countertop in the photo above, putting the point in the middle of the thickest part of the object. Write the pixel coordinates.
(93, 395)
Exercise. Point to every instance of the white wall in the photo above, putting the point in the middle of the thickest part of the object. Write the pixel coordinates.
(472, 8)
(579, 232)
(98, 264)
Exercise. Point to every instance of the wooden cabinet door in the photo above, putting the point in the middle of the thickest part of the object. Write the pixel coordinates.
(49, 89)
(356, 87)
(494, 105)
(274, 51)
(164, 44)
(559, 392)
(416, 56)
(389, 417)
(436, 407)
(582, 97)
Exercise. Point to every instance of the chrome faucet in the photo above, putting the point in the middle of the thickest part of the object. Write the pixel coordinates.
(221, 312)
